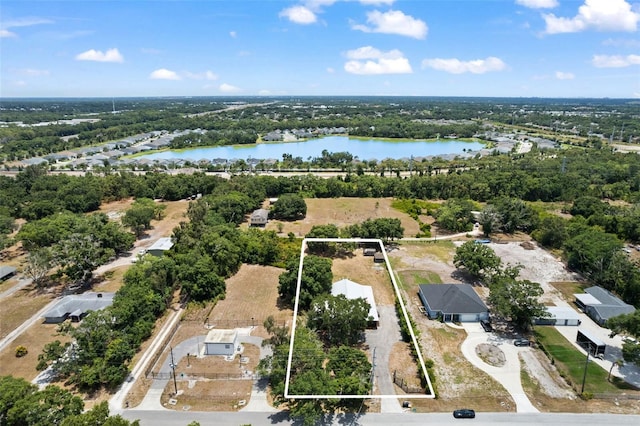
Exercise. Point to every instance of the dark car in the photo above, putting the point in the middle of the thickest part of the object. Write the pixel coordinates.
(464, 413)
(486, 325)
(521, 342)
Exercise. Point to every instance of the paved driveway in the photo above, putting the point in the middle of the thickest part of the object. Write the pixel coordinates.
(509, 374)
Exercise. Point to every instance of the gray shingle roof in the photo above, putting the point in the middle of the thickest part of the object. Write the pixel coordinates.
(453, 298)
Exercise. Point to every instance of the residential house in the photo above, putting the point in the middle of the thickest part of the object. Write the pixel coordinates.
(77, 306)
(600, 304)
(452, 302)
(259, 217)
(352, 290)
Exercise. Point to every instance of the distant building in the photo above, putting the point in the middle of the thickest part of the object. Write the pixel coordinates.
(160, 246)
(221, 342)
(259, 217)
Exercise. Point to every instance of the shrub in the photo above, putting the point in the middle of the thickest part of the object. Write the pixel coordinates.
(21, 351)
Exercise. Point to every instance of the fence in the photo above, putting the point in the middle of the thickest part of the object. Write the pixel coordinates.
(159, 352)
(203, 375)
(404, 385)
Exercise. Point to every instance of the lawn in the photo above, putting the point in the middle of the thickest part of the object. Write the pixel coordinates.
(570, 362)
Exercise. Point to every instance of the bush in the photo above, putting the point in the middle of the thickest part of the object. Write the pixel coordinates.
(21, 351)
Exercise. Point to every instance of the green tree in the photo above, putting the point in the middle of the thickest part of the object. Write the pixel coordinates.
(38, 265)
(323, 231)
(78, 256)
(591, 251)
(98, 416)
(289, 207)
(352, 373)
(138, 217)
(316, 279)
(516, 215)
(46, 407)
(516, 300)
(12, 390)
(338, 320)
(479, 260)
(490, 220)
(552, 231)
(456, 215)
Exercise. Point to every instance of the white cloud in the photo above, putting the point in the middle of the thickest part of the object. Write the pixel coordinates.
(233, 34)
(619, 42)
(264, 92)
(227, 88)
(376, 2)
(22, 22)
(34, 72)
(330, 70)
(164, 74)
(299, 15)
(111, 55)
(456, 66)
(600, 15)
(538, 4)
(560, 75)
(207, 75)
(393, 22)
(615, 61)
(368, 60)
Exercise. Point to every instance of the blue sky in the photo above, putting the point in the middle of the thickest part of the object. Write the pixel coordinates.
(515, 48)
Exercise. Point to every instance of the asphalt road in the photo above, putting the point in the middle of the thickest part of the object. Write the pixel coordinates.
(171, 418)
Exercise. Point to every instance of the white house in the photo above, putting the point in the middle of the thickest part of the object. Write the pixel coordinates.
(221, 342)
(352, 290)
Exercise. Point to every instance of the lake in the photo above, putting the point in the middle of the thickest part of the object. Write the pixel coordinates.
(364, 149)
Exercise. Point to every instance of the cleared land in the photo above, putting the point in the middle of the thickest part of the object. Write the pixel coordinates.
(345, 211)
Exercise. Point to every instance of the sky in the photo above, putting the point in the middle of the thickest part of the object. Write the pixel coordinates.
(493, 48)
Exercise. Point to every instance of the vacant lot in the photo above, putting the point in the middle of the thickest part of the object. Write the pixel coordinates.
(345, 211)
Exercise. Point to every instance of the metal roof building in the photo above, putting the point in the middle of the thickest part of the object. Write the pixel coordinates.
(77, 306)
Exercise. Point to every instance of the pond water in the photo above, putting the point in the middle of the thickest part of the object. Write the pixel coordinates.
(364, 149)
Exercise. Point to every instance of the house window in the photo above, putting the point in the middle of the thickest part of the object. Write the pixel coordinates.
(227, 346)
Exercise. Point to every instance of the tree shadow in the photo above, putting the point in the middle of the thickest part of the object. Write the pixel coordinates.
(466, 278)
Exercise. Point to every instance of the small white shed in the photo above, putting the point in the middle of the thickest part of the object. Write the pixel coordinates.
(221, 342)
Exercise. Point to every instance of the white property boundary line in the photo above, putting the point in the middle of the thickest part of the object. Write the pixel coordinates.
(431, 394)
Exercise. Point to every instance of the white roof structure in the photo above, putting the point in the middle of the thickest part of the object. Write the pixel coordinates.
(162, 244)
(562, 312)
(352, 290)
(587, 299)
(221, 336)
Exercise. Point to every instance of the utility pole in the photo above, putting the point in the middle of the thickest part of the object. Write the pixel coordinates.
(173, 368)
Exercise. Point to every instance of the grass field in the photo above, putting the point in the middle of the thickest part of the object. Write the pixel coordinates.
(571, 364)
(345, 211)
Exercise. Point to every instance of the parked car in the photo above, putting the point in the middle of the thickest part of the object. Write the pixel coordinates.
(486, 325)
(464, 413)
(521, 342)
